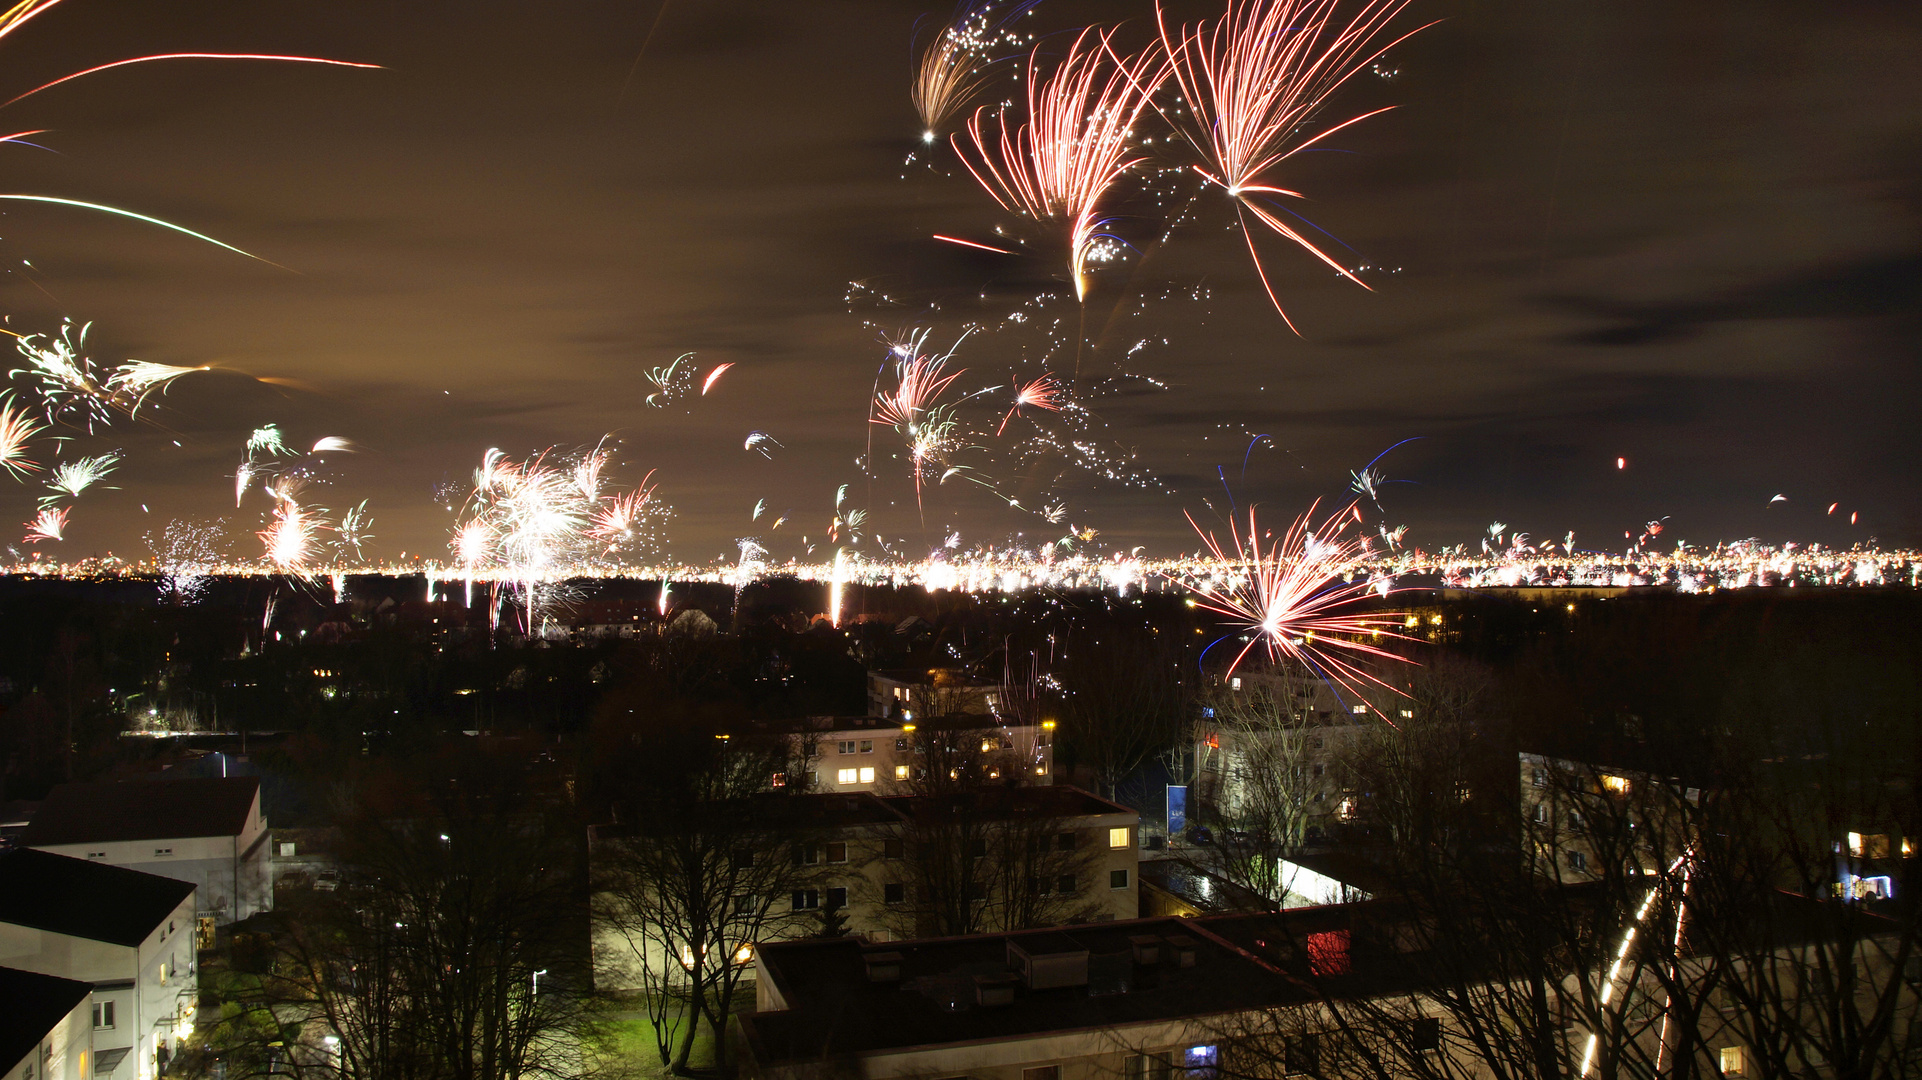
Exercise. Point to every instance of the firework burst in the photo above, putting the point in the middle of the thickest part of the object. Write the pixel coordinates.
(1059, 164)
(48, 524)
(1297, 597)
(954, 66)
(1253, 80)
(17, 426)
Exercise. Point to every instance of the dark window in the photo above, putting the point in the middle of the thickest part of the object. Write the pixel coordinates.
(837, 897)
(806, 899)
(1578, 860)
(892, 848)
(741, 859)
(900, 744)
(1045, 1072)
(894, 893)
(1425, 1034)
(1148, 1067)
(103, 1014)
(837, 852)
(978, 848)
(1064, 884)
(1301, 1054)
(1064, 842)
(744, 905)
(1117, 879)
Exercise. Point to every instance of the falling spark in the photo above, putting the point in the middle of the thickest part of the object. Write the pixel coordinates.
(185, 56)
(332, 444)
(1059, 164)
(714, 377)
(1251, 83)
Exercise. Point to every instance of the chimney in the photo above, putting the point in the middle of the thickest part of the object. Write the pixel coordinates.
(1183, 948)
(992, 990)
(1147, 949)
(883, 967)
(1047, 961)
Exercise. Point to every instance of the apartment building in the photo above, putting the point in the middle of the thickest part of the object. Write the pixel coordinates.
(127, 934)
(1578, 818)
(901, 866)
(877, 754)
(1330, 991)
(209, 832)
(908, 693)
(46, 1028)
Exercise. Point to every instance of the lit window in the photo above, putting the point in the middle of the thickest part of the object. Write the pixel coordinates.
(1733, 1061)
(900, 772)
(1408, 714)
(778, 780)
(687, 958)
(1118, 838)
(1615, 785)
(987, 745)
(1361, 710)
(744, 954)
(1201, 1062)
(1234, 683)
(867, 774)
(846, 776)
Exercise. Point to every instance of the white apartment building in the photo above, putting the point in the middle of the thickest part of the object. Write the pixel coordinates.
(871, 753)
(915, 692)
(209, 832)
(127, 934)
(1065, 854)
(46, 1028)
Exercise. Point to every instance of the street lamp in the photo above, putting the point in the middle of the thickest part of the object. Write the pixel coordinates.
(537, 981)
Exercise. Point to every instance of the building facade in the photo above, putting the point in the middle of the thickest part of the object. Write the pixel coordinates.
(127, 934)
(46, 1029)
(209, 832)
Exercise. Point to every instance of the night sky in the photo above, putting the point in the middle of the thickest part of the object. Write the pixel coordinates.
(1683, 234)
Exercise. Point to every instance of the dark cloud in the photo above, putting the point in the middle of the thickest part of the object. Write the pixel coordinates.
(1681, 234)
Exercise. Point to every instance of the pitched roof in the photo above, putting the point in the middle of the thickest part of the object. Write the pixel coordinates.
(85, 899)
(142, 810)
(35, 1004)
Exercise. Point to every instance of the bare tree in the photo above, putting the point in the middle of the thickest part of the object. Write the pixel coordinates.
(702, 862)
(450, 949)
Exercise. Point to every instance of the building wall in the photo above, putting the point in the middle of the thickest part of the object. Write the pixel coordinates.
(66, 1053)
(890, 751)
(865, 871)
(231, 874)
(154, 988)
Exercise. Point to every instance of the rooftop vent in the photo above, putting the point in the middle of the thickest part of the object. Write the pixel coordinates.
(992, 990)
(1147, 949)
(1047, 961)
(1183, 948)
(883, 967)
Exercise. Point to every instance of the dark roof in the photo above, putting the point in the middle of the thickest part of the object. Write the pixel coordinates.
(142, 810)
(835, 1011)
(35, 1004)
(85, 899)
(1055, 800)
